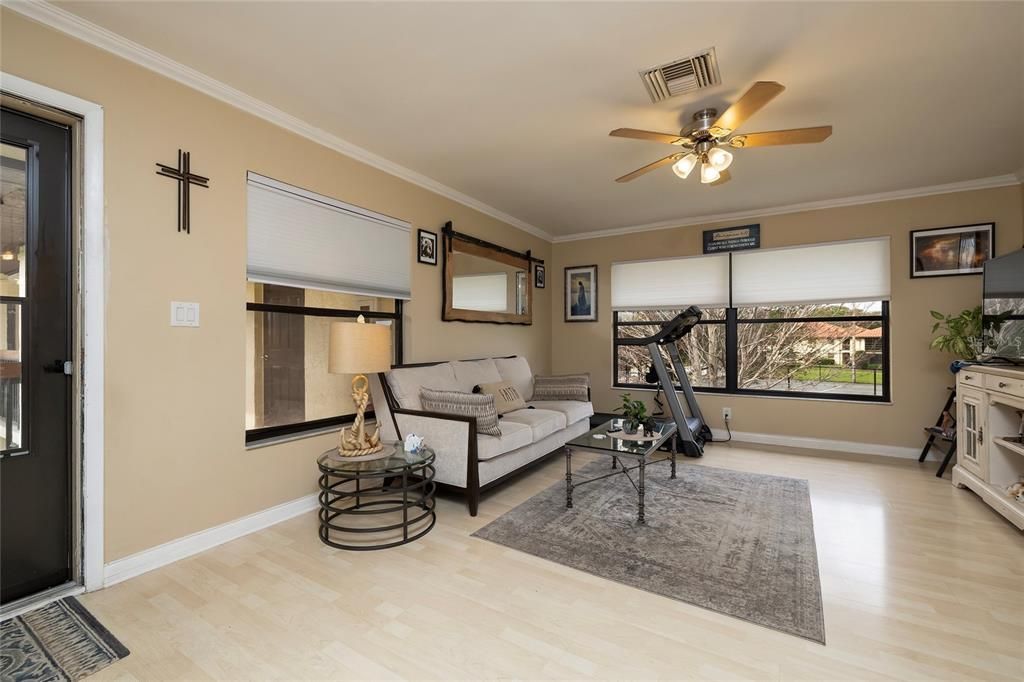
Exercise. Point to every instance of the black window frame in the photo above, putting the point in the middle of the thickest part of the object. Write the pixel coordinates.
(732, 323)
(266, 433)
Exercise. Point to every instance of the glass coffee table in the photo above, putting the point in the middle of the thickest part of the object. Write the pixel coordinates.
(622, 451)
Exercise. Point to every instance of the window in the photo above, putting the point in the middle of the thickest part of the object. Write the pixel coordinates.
(792, 345)
(312, 260)
(288, 387)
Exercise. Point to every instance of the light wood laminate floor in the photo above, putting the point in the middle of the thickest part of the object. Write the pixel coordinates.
(920, 580)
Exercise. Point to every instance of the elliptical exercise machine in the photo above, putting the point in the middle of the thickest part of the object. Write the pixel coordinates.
(692, 430)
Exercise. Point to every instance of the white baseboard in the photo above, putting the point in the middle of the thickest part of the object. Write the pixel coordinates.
(172, 551)
(819, 444)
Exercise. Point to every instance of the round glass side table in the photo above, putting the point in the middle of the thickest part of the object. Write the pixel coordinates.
(371, 504)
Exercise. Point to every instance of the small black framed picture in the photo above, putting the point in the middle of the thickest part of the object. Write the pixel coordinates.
(426, 247)
(538, 276)
(957, 250)
(581, 293)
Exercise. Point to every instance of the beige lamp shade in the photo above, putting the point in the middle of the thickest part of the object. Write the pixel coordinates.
(359, 348)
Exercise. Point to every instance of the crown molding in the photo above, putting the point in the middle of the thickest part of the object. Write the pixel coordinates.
(949, 188)
(93, 34)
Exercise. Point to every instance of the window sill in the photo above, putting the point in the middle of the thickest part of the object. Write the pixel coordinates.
(853, 399)
(302, 435)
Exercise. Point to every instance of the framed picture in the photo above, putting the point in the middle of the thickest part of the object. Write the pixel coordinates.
(958, 250)
(426, 247)
(581, 293)
(538, 276)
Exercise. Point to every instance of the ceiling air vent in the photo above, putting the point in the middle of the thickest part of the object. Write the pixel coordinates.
(683, 75)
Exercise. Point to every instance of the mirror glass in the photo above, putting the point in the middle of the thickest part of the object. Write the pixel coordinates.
(485, 285)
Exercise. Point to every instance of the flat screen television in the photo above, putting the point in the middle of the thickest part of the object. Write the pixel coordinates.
(1003, 306)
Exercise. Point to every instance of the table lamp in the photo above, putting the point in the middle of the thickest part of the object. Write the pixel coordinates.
(359, 348)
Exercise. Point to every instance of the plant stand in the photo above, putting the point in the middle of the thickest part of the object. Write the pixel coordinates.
(936, 433)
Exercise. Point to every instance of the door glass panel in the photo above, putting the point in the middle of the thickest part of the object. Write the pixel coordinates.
(13, 281)
(13, 218)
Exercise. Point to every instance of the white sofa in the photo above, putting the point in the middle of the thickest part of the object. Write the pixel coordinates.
(468, 461)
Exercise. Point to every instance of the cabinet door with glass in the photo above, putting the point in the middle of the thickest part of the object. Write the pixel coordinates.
(970, 424)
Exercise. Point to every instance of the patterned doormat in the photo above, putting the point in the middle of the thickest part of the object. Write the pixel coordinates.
(60, 641)
(738, 543)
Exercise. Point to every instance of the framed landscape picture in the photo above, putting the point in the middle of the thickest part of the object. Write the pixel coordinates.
(426, 247)
(958, 250)
(581, 293)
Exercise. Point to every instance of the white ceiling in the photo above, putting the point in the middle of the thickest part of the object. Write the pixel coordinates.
(511, 104)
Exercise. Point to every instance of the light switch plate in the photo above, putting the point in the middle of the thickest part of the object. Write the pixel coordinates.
(184, 314)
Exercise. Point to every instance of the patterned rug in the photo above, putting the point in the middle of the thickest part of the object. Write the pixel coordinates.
(737, 543)
(60, 641)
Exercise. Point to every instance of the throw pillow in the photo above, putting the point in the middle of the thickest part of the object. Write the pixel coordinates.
(506, 396)
(568, 387)
(477, 405)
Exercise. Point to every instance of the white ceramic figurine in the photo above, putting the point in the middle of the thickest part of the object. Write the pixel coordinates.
(413, 443)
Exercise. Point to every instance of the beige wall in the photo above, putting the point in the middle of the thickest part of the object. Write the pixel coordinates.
(919, 376)
(175, 398)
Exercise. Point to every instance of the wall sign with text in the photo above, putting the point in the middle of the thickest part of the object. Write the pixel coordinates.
(732, 239)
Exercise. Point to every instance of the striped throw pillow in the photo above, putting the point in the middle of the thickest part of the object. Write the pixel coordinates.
(477, 405)
(506, 397)
(568, 387)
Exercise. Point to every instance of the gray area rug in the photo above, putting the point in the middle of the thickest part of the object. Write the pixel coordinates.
(738, 543)
(59, 641)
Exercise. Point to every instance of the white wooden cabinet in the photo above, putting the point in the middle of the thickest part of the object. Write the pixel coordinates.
(970, 437)
(989, 407)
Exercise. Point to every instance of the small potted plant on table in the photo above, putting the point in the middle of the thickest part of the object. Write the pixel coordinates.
(634, 414)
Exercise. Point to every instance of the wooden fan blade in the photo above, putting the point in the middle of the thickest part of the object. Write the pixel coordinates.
(635, 134)
(672, 158)
(759, 94)
(777, 137)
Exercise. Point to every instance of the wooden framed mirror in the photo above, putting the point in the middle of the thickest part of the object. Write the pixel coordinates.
(484, 282)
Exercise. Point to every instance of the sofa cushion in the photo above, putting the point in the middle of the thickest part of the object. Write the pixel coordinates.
(506, 396)
(476, 405)
(566, 387)
(574, 410)
(470, 373)
(517, 370)
(406, 382)
(513, 436)
(542, 422)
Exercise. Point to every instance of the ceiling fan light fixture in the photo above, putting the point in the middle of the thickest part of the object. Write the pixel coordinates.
(683, 166)
(709, 174)
(719, 158)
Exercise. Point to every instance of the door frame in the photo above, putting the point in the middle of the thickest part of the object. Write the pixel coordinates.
(89, 245)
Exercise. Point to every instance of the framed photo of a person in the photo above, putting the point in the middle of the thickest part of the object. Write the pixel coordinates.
(539, 276)
(958, 250)
(581, 293)
(426, 247)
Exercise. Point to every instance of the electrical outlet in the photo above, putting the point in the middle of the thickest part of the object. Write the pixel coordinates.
(727, 413)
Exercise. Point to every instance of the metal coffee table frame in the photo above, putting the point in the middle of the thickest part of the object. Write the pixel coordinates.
(643, 458)
(396, 486)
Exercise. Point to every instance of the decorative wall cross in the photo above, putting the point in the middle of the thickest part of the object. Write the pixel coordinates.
(186, 178)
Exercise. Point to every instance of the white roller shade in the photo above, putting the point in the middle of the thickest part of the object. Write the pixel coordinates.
(480, 292)
(822, 273)
(671, 283)
(304, 239)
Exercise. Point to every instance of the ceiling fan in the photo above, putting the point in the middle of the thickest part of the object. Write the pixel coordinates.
(705, 138)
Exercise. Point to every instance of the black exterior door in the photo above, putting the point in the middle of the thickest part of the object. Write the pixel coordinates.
(35, 342)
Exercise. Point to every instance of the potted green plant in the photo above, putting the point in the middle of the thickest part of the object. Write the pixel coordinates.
(962, 334)
(634, 413)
